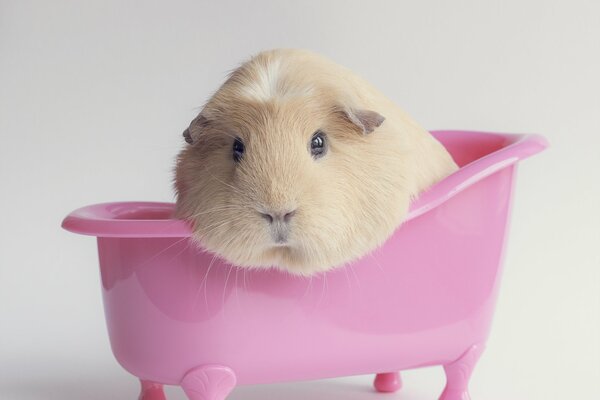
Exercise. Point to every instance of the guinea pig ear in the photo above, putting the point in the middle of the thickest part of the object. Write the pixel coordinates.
(193, 132)
(187, 136)
(366, 120)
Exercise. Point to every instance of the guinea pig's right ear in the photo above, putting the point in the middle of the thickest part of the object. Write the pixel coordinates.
(365, 120)
(193, 132)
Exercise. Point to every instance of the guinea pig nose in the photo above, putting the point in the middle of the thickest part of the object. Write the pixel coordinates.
(266, 216)
(278, 216)
(287, 216)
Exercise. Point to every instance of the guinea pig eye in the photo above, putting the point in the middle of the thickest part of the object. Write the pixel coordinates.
(317, 144)
(238, 149)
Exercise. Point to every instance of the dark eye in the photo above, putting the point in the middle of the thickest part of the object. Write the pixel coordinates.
(238, 149)
(317, 144)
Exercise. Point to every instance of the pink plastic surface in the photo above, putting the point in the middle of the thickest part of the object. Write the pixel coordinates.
(177, 315)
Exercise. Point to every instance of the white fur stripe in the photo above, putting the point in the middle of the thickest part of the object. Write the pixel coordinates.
(265, 86)
(269, 84)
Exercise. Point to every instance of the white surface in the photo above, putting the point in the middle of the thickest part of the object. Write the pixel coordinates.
(94, 97)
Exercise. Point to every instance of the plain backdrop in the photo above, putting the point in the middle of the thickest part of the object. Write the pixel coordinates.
(94, 96)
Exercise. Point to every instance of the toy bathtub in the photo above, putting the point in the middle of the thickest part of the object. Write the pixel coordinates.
(179, 316)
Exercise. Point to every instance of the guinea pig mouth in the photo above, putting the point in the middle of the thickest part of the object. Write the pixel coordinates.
(280, 240)
(280, 234)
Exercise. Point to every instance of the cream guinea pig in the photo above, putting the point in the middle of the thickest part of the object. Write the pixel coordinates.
(299, 164)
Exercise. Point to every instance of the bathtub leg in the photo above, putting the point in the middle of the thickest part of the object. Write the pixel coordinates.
(151, 391)
(458, 374)
(208, 382)
(387, 382)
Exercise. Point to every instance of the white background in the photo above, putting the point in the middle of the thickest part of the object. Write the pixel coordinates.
(94, 97)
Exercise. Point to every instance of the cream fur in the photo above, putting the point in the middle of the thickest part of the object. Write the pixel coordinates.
(347, 202)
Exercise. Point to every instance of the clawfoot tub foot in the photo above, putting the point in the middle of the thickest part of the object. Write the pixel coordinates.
(151, 391)
(458, 374)
(387, 382)
(208, 382)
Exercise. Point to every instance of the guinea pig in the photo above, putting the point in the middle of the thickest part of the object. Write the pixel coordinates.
(297, 163)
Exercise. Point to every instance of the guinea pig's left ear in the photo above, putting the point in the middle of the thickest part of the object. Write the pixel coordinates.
(366, 120)
(192, 133)
(187, 136)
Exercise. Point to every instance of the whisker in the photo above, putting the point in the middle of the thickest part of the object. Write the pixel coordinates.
(215, 209)
(237, 296)
(377, 263)
(355, 276)
(204, 282)
(237, 190)
(347, 278)
(225, 289)
(162, 251)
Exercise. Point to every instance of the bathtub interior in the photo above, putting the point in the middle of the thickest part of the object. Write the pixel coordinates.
(467, 147)
(150, 211)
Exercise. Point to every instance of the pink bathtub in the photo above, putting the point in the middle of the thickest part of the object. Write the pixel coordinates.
(179, 316)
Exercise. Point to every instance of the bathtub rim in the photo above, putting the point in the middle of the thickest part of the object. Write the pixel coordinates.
(106, 219)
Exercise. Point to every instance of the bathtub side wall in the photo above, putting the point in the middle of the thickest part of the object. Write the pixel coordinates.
(423, 298)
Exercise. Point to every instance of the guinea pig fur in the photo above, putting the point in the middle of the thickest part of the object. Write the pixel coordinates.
(299, 164)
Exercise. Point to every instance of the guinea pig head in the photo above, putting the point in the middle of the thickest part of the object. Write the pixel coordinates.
(281, 181)
(291, 165)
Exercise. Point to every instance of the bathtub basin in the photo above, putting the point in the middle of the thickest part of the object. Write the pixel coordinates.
(177, 315)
